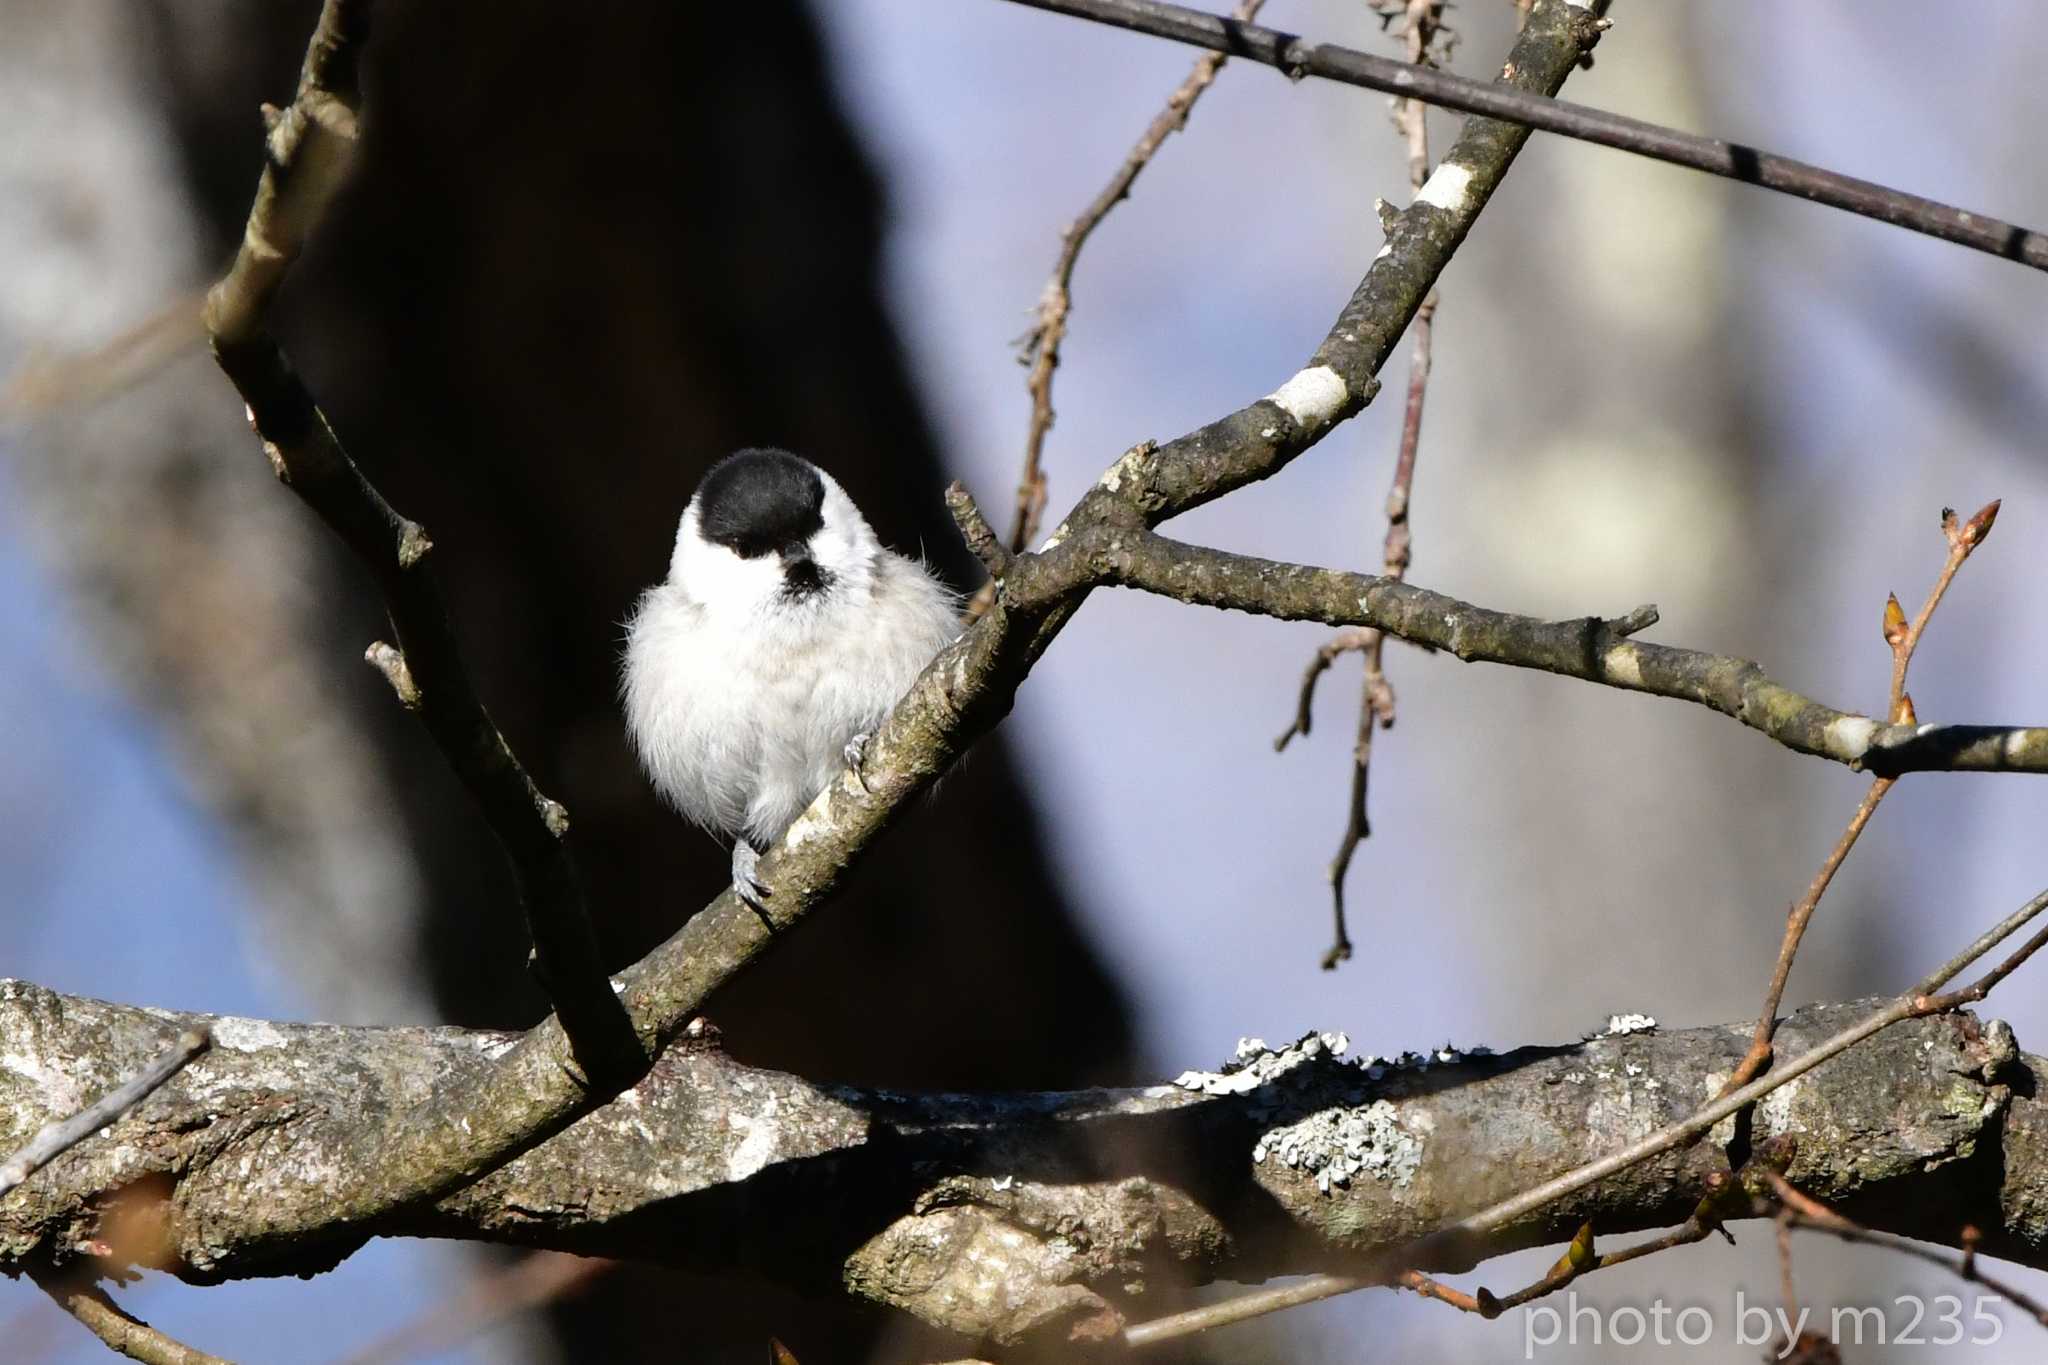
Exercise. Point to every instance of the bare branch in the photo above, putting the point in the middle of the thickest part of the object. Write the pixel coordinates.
(1904, 639)
(1298, 57)
(1288, 1160)
(1588, 648)
(130, 1336)
(309, 147)
(1812, 1215)
(60, 1135)
(1795, 930)
(1041, 346)
(1423, 22)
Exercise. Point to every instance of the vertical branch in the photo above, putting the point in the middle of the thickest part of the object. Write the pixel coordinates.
(1427, 41)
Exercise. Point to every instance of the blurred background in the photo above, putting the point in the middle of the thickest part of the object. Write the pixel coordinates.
(592, 248)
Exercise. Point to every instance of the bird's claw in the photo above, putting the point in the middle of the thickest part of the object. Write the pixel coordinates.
(746, 884)
(856, 750)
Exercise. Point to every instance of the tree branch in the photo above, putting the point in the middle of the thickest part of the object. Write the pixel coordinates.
(1588, 648)
(309, 148)
(1041, 346)
(1298, 57)
(949, 1206)
(62, 1134)
(127, 1335)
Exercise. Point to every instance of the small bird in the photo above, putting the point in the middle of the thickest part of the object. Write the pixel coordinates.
(782, 636)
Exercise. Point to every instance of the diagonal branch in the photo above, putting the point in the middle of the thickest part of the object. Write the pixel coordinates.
(309, 147)
(123, 1333)
(1588, 648)
(1298, 57)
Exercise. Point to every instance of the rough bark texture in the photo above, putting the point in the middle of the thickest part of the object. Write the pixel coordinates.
(1000, 1216)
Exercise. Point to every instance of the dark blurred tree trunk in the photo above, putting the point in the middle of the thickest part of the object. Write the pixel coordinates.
(591, 248)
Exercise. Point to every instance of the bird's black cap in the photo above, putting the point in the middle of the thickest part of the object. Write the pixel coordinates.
(756, 502)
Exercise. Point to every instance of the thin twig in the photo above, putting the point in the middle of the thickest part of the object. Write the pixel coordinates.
(1904, 639)
(1423, 23)
(60, 1135)
(1040, 347)
(1805, 1212)
(1298, 57)
(1796, 921)
(130, 1336)
(310, 144)
(1462, 1234)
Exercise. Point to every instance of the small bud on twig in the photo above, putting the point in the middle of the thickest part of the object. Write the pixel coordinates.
(1903, 713)
(1579, 1255)
(1979, 526)
(1894, 621)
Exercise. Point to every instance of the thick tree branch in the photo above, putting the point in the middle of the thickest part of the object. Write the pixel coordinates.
(1587, 647)
(309, 147)
(1287, 1161)
(61, 1134)
(1298, 57)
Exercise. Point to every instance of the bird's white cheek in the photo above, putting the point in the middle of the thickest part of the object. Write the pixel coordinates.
(726, 584)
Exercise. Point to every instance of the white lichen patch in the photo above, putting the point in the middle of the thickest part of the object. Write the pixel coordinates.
(246, 1035)
(1848, 738)
(757, 1142)
(1624, 666)
(1338, 1145)
(1774, 1111)
(57, 1090)
(1313, 397)
(1112, 479)
(1447, 187)
(1622, 1025)
(1340, 1142)
(1255, 1064)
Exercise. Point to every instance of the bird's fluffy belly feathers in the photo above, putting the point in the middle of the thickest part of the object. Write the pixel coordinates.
(741, 727)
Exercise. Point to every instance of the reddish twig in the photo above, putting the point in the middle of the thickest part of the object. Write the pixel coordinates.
(1904, 639)
(1808, 1214)
(1422, 28)
(1040, 347)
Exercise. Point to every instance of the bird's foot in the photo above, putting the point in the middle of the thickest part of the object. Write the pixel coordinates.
(856, 750)
(746, 884)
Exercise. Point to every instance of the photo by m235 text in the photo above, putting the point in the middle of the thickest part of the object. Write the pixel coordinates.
(1902, 1320)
